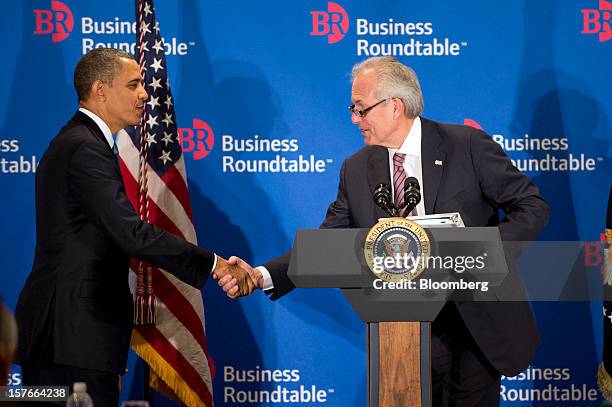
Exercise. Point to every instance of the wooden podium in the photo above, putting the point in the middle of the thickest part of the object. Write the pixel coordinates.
(398, 321)
(398, 364)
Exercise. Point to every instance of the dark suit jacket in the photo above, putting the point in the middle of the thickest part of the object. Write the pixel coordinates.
(476, 179)
(76, 308)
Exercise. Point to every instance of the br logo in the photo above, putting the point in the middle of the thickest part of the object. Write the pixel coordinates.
(198, 140)
(598, 21)
(58, 21)
(334, 22)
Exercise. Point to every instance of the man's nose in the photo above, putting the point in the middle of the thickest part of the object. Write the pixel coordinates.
(355, 119)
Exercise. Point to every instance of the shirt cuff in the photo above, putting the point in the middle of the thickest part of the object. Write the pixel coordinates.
(267, 278)
(214, 266)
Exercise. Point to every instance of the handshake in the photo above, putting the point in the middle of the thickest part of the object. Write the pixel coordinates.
(237, 277)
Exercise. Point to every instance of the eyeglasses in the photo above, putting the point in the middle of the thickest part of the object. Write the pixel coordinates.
(361, 113)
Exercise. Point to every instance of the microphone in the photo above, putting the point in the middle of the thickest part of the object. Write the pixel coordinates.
(382, 197)
(412, 193)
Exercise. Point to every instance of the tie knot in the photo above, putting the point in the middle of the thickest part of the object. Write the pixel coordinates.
(398, 158)
(115, 150)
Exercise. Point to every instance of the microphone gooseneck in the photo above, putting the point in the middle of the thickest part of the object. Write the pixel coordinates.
(382, 197)
(412, 194)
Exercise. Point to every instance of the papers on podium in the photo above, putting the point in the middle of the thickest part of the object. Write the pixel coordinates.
(439, 220)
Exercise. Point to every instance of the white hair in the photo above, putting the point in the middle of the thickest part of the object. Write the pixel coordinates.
(395, 80)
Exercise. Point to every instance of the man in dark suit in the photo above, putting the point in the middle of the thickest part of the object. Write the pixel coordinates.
(75, 310)
(460, 169)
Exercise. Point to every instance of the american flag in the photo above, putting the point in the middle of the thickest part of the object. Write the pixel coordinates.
(153, 169)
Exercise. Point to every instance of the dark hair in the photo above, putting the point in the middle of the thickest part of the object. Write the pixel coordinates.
(101, 64)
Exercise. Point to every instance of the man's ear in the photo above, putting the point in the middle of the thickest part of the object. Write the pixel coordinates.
(98, 90)
(398, 107)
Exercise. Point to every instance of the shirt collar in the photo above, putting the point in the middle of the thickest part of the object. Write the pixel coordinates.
(412, 143)
(103, 126)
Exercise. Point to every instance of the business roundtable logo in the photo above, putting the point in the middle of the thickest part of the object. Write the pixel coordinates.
(392, 36)
(333, 23)
(58, 21)
(537, 153)
(598, 21)
(197, 140)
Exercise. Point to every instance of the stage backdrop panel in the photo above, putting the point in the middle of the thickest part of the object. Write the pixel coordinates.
(245, 74)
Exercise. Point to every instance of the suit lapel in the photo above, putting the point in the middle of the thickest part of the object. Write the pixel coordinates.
(82, 118)
(378, 172)
(432, 162)
(85, 120)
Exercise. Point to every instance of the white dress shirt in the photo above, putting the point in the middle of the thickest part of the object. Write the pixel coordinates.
(412, 162)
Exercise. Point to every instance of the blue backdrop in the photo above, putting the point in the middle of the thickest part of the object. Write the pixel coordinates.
(280, 71)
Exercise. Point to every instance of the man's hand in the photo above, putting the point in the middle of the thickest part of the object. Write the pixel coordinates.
(229, 272)
(232, 285)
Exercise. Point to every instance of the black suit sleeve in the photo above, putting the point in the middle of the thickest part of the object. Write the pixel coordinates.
(506, 188)
(278, 271)
(338, 216)
(95, 185)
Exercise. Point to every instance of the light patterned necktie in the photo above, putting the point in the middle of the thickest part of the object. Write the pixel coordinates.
(399, 176)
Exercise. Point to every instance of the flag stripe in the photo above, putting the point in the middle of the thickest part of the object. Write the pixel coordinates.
(180, 166)
(174, 328)
(169, 352)
(177, 333)
(170, 377)
(174, 208)
(192, 295)
(156, 215)
(179, 305)
(164, 199)
(159, 218)
(182, 366)
(168, 292)
(176, 183)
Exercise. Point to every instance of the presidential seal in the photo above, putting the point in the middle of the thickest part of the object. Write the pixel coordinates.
(397, 249)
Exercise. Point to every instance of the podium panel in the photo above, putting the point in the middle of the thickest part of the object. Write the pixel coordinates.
(398, 320)
(398, 371)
